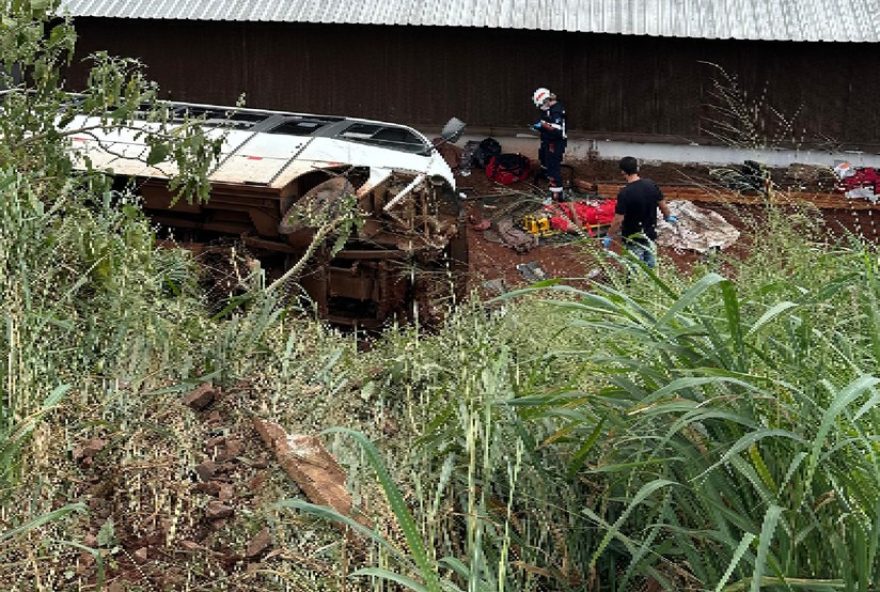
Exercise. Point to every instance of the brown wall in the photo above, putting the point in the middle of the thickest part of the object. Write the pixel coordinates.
(609, 83)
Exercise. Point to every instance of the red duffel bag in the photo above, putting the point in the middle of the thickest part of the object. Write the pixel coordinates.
(509, 168)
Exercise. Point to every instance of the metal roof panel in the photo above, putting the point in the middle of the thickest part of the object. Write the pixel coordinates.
(791, 20)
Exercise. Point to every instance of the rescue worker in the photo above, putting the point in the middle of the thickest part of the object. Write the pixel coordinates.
(551, 125)
(635, 215)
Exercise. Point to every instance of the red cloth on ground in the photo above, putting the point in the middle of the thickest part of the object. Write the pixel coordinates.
(863, 177)
(580, 213)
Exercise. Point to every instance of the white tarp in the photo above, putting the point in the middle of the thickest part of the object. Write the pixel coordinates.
(697, 229)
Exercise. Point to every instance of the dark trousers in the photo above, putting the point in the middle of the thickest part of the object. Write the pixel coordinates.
(550, 156)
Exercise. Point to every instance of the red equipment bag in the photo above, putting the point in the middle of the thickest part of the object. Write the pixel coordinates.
(582, 214)
(863, 177)
(509, 168)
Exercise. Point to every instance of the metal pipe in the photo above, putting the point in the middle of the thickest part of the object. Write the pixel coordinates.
(420, 178)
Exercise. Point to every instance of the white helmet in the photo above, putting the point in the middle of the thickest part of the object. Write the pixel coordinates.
(540, 96)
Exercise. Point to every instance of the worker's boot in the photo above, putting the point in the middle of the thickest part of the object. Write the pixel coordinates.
(553, 196)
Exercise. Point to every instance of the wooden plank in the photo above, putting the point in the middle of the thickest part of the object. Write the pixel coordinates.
(830, 201)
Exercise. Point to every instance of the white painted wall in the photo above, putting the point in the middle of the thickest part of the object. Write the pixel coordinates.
(527, 144)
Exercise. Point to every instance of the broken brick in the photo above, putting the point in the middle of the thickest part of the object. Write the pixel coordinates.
(215, 441)
(141, 555)
(201, 397)
(258, 544)
(216, 509)
(206, 470)
(257, 481)
(232, 448)
(211, 488)
(226, 492)
(190, 546)
(390, 427)
(85, 451)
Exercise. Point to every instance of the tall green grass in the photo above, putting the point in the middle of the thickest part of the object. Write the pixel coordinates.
(713, 432)
(103, 333)
(739, 421)
(700, 433)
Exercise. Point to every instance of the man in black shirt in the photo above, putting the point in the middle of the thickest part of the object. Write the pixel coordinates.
(635, 216)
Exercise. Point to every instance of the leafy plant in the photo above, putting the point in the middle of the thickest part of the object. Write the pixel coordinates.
(741, 430)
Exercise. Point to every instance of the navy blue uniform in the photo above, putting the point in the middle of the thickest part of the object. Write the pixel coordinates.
(553, 143)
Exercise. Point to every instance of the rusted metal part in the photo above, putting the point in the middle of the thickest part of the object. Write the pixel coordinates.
(403, 193)
(267, 245)
(365, 284)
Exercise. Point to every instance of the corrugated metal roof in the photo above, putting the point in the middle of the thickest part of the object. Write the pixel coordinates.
(782, 20)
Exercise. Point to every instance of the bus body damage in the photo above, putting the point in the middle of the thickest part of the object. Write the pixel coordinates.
(407, 251)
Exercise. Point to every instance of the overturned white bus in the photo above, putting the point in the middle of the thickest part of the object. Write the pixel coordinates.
(274, 164)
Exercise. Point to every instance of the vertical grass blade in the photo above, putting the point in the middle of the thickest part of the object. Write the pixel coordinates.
(643, 493)
(768, 529)
(401, 511)
(734, 561)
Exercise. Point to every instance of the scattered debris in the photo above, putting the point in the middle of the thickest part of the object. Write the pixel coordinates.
(85, 452)
(201, 397)
(478, 223)
(208, 488)
(206, 470)
(217, 509)
(230, 449)
(309, 465)
(191, 546)
(531, 271)
(141, 555)
(390, 427)
(495, 287)
(259, 544)
(596, 275)
(511, 236)
(226, 492)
